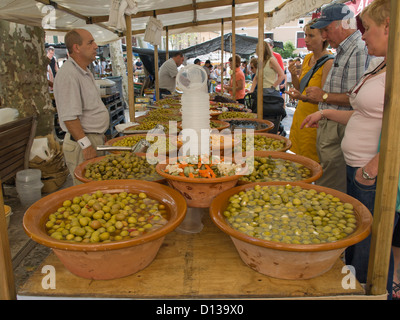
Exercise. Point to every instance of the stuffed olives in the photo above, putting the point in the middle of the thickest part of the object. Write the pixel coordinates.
(270, 169)
(259, 142)
(290, 214)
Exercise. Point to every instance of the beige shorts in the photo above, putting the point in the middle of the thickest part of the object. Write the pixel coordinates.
(73, 153)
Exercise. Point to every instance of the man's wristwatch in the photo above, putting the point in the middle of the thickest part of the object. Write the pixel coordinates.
(366, 176)
(325, 97)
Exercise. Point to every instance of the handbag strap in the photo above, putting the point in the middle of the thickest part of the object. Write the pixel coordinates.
(320, 62)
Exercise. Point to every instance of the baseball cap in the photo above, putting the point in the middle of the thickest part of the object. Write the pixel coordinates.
(270, 41)
(333, 12)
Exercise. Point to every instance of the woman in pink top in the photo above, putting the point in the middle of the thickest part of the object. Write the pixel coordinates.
(240, 82)
(364, 124)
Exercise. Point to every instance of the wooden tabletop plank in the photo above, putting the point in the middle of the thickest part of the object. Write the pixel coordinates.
(204, 265)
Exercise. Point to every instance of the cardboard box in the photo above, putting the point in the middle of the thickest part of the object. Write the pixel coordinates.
(142, 100)
(140, 107)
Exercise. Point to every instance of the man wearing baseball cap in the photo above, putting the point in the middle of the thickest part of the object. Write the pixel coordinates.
(339, 28)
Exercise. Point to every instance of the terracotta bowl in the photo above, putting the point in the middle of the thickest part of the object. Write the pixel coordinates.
(132, 128)
(315, 167)
(198, 193)
(214, 114)
(290, 261)
(288, 143)
(253, 116)
(267, 123)
(112, 141)
(174, 113)
(111, 260)
(222, 125)
(80, 170)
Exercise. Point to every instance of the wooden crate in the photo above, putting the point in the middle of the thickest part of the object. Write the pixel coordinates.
(16, 141)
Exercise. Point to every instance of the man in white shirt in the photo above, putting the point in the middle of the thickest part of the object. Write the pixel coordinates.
(81, 111)
(168, 73)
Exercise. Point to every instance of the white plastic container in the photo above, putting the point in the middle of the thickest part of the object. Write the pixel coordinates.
(195, 100)
(29, 186)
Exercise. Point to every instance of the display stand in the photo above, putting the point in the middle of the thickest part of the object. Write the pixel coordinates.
(116, 112)
(204, 265)
(193, 221)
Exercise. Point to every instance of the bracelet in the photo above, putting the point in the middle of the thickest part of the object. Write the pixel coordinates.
(322, 114)
(366, 176)
(84, 142)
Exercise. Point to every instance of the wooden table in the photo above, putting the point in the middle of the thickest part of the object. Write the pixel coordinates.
(205, 265)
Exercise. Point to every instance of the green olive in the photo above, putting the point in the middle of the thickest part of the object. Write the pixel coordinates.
(122, 166)
(290, 214)
(106, 217)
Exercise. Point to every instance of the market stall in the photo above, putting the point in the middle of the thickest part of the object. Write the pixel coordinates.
(193, 278)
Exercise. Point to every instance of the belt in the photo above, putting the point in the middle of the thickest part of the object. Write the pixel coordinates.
(72, 138)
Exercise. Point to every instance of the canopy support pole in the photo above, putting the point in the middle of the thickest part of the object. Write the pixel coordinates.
(157, 86)
(7, 287)
(389, 167)
(260, 54)
(233, 75)
(129, 63)
(166, 43)
(222, 55)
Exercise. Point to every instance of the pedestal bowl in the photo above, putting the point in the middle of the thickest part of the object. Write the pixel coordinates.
(198, 192)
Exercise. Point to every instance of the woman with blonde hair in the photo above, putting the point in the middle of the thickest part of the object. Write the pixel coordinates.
(314, 72)
(273, 74)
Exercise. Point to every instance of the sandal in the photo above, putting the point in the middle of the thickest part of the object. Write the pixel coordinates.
(396, 291)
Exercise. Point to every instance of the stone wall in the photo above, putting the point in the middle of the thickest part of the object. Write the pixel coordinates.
(23, 74)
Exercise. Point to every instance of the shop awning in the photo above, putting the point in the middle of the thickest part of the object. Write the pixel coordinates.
(178, 15)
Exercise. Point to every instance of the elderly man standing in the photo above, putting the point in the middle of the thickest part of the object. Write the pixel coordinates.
(53, 61)
(81, 111)
(339, 27)
(168, 73)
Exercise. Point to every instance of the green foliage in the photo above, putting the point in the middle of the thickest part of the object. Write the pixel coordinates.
(287, 51)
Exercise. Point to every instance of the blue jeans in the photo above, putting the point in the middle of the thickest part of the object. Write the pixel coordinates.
(358, 254)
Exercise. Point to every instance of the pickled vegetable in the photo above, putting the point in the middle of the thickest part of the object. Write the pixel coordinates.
(106, 217)
(202, 167)
(290, 214)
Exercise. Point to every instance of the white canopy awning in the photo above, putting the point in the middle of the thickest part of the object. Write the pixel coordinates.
(178, 15)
